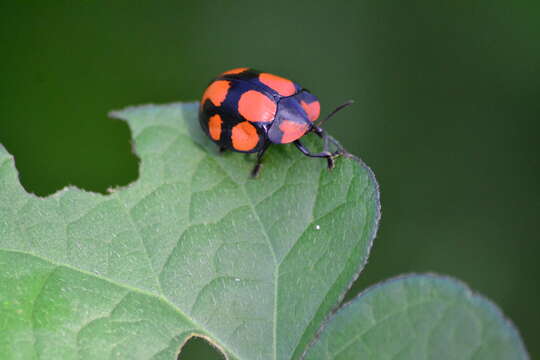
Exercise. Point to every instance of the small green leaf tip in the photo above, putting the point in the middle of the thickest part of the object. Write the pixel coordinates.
(418, 317)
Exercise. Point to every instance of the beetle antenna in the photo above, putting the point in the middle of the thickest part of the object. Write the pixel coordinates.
(340, 107)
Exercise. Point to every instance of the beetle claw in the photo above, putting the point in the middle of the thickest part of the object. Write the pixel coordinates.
(255, 171)
(331, 162)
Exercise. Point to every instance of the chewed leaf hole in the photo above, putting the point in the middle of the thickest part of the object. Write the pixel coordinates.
(94, 157)
(199, 348)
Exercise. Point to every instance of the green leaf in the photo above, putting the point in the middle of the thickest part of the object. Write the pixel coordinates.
(418, 317)
(194, 246)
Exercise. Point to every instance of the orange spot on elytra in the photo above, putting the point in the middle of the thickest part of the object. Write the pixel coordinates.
(235, 71)
(214, 126)
(244, 136)
(216, 92)
(312, 110)
(292, 131)
(254, 106)
(283, 86)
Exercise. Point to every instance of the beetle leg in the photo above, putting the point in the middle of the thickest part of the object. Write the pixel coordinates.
(326, 140)
(322, 134)
(325, 154)
(257, 168)
(319, 131)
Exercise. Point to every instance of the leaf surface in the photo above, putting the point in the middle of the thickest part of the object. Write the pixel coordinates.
(194, 246)
(418, 317)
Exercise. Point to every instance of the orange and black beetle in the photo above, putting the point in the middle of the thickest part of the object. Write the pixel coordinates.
(247, 110)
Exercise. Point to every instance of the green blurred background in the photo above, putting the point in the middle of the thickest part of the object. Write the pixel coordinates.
(447, 111)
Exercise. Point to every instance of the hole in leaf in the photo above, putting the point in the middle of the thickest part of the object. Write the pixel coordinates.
(198, 348)
(94, 155)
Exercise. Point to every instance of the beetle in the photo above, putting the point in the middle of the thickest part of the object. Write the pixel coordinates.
(246, 110)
